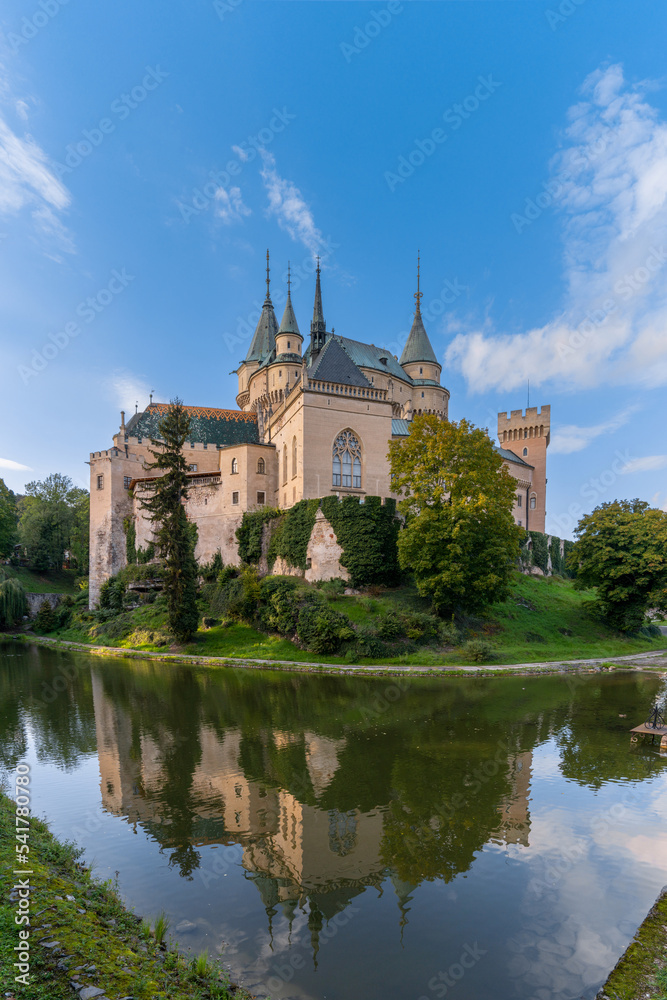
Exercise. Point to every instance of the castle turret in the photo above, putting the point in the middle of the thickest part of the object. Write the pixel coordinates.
(262, 344)
(288, 338)
(418, 360)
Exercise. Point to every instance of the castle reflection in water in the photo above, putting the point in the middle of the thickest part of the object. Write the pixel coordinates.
(281, 796)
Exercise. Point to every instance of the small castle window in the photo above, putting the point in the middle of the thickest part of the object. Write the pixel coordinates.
(235, 497)
(422, 395)
(519, 522)
(294, 456)
(518, 499)
(533, 502)
(525, 451)
(235, 467)
(261, 466)
(192, 468)
(261, 497)
(126, 482)
(525, 433)
(100, 482)
(421, 371)
(288, 345)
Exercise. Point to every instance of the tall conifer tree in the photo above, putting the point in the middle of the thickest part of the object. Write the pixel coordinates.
(173, 535)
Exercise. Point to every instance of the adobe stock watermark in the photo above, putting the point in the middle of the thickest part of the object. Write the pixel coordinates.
(246, 151)
(592, 490)
(454, 117)
(121, 107)
(33, 23)
(443, 982)
(565, 10)
(224, 7)
(376, 23)
(581, 158)
(87, 311)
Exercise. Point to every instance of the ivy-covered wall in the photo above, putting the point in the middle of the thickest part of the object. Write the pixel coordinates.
(366, 532)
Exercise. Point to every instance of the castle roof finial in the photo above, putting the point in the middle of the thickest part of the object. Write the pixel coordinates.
(318, 326)
(268, 279)
(288, 323)
(418, 293)
(289, 279)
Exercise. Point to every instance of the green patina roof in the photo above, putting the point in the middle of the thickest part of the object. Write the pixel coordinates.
(334, 364)
(418, 346)
(288, 323)
(208, 425)
(264, 339)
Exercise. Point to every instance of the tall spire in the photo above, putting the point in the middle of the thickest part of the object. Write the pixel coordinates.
(418, 346)
(318, 329)
(268, 279)
(264, 338)
(288, 323)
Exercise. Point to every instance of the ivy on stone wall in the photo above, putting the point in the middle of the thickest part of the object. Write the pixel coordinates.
(249, 533)
(130, 540)
(291, 535)
(540, 550)
(570, 570)
(367, 533)
(556, 557)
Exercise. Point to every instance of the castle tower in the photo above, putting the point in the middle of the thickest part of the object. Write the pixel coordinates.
(418, 360)
(263, 342)
(527, 435)
(288, 338)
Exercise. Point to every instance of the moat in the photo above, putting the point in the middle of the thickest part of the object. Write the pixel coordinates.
(340, 838)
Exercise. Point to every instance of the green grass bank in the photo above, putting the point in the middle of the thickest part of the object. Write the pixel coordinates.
(642, 971)
(82, 933)
(545, 619)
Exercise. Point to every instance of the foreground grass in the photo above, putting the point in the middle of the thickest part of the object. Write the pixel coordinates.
(642, 971)
(91, 928)
(57, 582)
(545, 619)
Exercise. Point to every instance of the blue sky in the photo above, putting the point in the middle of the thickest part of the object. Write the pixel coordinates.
(150, 153)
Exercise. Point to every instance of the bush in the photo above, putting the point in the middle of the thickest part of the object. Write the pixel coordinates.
(448, 634)
(237, 597)
(45, 620)
(321, 629)
(332, 588)
(478, 650)
(368, 644)
(112, 593)
(210, 571)
(279, 608)
(540, 550)
(390, 625)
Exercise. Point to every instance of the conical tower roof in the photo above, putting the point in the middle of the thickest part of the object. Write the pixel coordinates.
(318, 325)
(418, 346)
(264, 338)
(288, 323)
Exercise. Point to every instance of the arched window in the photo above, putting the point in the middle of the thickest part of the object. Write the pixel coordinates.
(525, 451)
(533, 502)
(261, 466)
(284, 463)
(293, 457)
(235, 466)
(346, 460)
(525, 433)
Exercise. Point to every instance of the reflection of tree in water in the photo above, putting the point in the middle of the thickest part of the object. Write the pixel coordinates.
(342, 832)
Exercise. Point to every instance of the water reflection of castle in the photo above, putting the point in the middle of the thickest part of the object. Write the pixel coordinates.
(294, 847)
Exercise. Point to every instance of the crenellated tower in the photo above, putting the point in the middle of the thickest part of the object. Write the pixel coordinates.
(527, 435)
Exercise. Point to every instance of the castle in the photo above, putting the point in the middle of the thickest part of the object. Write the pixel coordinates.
(310, 422)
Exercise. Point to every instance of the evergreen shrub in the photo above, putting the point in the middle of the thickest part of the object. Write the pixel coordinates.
(45, 620)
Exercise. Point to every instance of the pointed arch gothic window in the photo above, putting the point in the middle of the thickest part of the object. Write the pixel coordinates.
(346, 460)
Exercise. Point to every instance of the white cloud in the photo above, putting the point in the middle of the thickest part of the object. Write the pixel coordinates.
(570, 437)
(7, 463)
(242, 154)
(289, 207)
(126, 390)
(229, 205)
(609, 183)
(649, 463)
(26, 181)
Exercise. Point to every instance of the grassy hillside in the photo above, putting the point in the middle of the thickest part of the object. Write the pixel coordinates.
(61, 582)
(544, 619)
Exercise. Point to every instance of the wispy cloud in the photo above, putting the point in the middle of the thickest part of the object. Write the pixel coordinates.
(571, 437)
(289, 207)
(26, 182)
(649, 463)
(7, 463)
(229, 205)
(127, 390)
(611, 184)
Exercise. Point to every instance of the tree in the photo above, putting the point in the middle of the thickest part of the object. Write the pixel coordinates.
(173, 535)
(459, 539)
(45, 620)
(13, 604)
(621, 549)
(8, 520)
(53, 519)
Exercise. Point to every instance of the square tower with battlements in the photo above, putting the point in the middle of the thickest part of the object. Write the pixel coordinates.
(527, 435)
